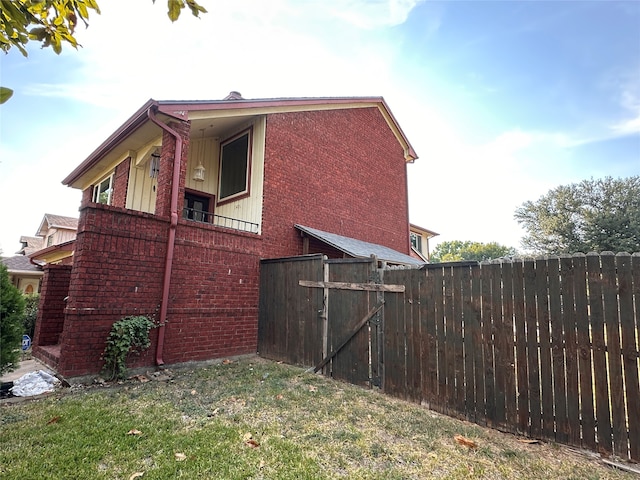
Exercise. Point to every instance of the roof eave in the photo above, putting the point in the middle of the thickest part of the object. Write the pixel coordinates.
(180, 110)
(110, 143)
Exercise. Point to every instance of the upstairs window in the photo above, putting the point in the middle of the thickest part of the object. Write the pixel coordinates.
(416, 241)
(235, 167)
(102, 191)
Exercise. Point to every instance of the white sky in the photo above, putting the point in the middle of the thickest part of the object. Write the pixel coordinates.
(501, 100)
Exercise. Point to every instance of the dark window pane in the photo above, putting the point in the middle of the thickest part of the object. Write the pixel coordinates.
(234, 165)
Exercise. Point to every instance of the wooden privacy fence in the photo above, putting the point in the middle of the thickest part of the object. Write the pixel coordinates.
(546, 347)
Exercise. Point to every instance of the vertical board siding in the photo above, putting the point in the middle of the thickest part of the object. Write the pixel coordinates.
(544, 347)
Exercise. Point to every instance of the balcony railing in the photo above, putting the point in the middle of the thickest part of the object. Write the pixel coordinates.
(219, 220)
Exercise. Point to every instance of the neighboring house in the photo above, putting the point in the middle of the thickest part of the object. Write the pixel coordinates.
(26, 276)
(182, 201)
(420, 241)
(58, 234)
(30, 245)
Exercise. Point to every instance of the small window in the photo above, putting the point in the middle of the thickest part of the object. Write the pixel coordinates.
(103, 190)
(49, 240)
(416, 241)
(235, 157)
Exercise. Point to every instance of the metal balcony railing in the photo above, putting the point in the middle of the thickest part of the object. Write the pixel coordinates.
(219, 220)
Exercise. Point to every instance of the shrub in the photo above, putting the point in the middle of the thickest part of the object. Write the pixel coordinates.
(11, 314)
(30, 313)
(129, 335)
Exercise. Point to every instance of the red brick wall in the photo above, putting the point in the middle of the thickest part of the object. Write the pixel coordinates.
(214, 294)
(342, 171)
(165, 176)
(120, 184)
(87, 196)
(55, 288)
(118, 270)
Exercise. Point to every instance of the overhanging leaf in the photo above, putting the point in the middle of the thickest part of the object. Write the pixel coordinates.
(5, 94)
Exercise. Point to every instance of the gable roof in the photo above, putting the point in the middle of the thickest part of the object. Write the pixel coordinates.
(30, 244)
(20, 263)
(359, 248)
(56, 221)
(232, 106)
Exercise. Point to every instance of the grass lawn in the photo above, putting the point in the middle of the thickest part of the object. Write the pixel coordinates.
(255, 419)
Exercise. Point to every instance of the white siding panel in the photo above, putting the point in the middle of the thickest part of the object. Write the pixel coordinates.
(205, 150)
(141, 191)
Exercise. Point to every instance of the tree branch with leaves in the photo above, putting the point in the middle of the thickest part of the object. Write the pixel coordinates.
(53, 22)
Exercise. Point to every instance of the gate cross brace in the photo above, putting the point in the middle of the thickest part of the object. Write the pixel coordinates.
(356, 329)
(371, 287)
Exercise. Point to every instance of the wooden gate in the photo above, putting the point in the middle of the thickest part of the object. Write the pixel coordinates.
(324, 313)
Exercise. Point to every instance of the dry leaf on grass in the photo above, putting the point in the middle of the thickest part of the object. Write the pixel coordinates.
(193, 392)
(247, 436)
(528, 441)
(252, 443)
(140, 378)
(180, 457)
(279, 396)
(133, 431)
(313, 388)
(136, 475)
(55, 419)
(226, 361)
(465, 441)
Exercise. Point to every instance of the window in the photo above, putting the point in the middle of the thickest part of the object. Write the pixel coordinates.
(235, 155)
(416, 241)
(103, 190)
(50, 240)
(196, 208)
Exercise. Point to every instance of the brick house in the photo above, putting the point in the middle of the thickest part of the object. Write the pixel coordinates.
(183, 200)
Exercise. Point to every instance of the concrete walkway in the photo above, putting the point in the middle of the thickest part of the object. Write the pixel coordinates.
(25, 366)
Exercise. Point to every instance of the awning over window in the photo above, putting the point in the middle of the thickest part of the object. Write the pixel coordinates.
(358, 248)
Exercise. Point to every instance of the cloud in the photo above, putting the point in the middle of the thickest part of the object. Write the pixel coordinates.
(370, 14)
(279, 49)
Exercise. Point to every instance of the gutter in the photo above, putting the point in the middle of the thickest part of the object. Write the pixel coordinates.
(171, 240)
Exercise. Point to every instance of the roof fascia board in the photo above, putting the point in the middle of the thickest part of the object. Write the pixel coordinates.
(39, 231)
(416, 229)
(49, 252)
(175, 107)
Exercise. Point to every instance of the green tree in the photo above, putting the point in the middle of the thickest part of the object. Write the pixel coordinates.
(458, 250)
(11, 314)
(590, 216)
(52, 22)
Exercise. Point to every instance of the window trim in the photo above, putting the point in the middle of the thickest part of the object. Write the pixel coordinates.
(418, 241)
(247, 190)
(96, 190)
(197, 193)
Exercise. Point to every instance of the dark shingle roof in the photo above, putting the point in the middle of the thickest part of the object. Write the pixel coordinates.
(56, 221)
(20, 263)
(359, 248)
